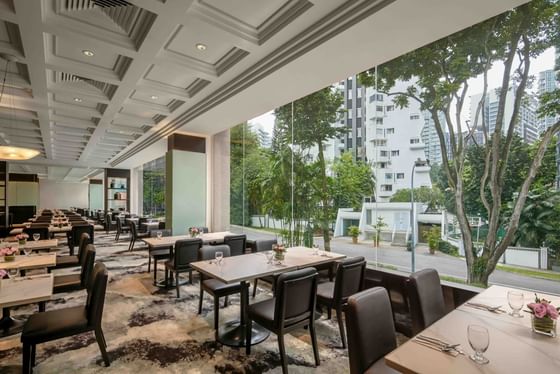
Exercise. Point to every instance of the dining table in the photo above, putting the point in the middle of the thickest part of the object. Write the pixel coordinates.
(21, 291)
(244, 268)
(513, 347)
(164, 246)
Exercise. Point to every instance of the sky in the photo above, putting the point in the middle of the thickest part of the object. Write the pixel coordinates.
(543, 62)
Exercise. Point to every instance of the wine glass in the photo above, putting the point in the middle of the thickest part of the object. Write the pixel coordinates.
(479, 341)
(27, 251)
(219, 255)
(269, 256)
(316, 249)
(158, 234)
(515, 301)
(13, 273)
(36, 236)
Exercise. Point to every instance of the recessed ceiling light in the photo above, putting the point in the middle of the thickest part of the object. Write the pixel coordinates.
(201, 47)
(154, 97)
(88, 53)
(77, 99)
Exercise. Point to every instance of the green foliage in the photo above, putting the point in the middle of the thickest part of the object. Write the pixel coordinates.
(434, 237)
(445, 247)
(433, 197)
(352, 180)
(354, 231)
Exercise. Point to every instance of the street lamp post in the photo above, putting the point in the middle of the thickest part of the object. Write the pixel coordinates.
(418, 163)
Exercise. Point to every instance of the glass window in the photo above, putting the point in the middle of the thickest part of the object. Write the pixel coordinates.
(395, 153)
(390, 131)
(400, 175)
(153, 184)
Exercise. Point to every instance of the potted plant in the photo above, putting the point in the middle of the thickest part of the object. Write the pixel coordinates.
(22, 238)
(9, 253)
(544, 316)
(433, 236)
(279, 252)
(194, 232)
(379, 225)
(354, 232)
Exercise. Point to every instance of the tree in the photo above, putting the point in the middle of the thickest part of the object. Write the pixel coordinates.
(433, 197)
(351, 182)
(441, 72)
(307, 123)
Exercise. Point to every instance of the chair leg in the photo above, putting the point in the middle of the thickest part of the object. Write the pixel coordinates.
(248, 331)
(282, 353)
(225, 302)
(177, 283)
(341, 326)
(216, 315)
(314, 341)
(33, 353)
(200, 298)
(166, 278)
(329, 312)
(190, 276)
(26, 363)
(255, 288)
(149, 262)
(102, 346)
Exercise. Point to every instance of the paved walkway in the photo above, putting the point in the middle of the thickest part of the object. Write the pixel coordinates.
(401, 258)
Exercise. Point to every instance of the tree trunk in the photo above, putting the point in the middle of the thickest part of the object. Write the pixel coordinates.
(324, 199)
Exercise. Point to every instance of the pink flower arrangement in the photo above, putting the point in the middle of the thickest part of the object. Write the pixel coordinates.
(3, 273)
(22, 236)
(542, 308)
(8, 251)
(194, 231)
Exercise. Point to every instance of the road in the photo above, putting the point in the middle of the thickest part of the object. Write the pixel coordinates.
(400, 258)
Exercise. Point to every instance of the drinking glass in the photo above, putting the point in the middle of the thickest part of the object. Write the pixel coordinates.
(269, 256)
(158, 234)
(27, 251)
(13, 273)
(316, 249)
(36, 236)
(479, 341)
(219, 255)
(515, 301)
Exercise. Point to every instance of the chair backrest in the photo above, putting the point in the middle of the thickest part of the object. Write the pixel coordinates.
(43, 231)
(370, 327)
(208, 252)
(296, 296)
(96, 294)
(133, 230)
(108, 219)
(236, 243)
(186, 251)
(164, 232)
(264, 245)
(425, 298)
(85, 239)
(349, 278)
(79, 229)
(87, 265)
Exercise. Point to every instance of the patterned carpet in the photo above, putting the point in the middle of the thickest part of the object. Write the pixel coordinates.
(150, 330)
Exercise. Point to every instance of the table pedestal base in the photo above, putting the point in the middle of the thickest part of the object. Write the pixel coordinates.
(8, 325)
(172, 283)
(233, 334)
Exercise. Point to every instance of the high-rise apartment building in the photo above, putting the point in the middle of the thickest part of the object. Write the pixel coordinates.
(526, 124)
(547, 83)
(387, 137)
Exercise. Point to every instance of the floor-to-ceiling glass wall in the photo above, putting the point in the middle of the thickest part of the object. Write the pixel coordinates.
(153, 188)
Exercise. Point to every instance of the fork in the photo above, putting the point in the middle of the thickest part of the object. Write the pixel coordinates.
(451, 351)
(495, 309)
(441, 343)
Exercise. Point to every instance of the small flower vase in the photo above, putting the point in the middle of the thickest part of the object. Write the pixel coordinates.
(279, 256)
(22, 241)
(545, 326)
(9, 258)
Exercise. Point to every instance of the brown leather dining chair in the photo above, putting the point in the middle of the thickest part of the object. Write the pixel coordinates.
(334, 295)
(425, 299)
(77, 281)
(185, 252)
(213, 286)
(263, 246)
(371, 331)
(292, 308)
(236, 243)
(135, 235)
(69, 261)
(121, 229)
(60, 323)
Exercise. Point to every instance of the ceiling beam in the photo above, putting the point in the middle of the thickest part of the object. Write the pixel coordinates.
(29, 15)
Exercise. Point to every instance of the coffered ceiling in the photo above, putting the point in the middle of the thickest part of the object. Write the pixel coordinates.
(97, 81)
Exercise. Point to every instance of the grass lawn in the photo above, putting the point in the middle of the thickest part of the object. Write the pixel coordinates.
(530, 272)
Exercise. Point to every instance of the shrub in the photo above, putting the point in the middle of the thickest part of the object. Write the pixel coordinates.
(354, 231)
(445, 247)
